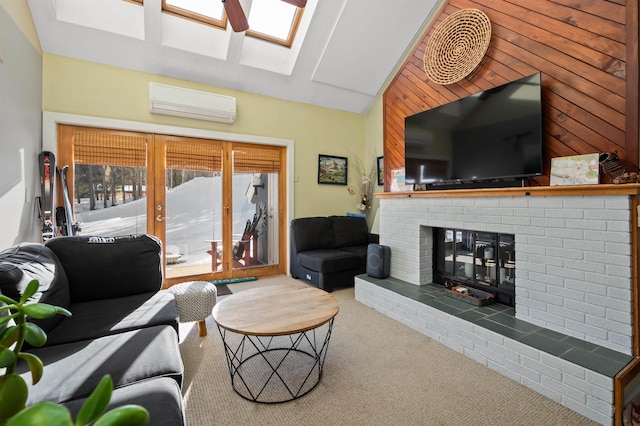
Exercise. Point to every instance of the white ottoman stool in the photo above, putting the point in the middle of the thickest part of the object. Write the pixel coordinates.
(195, 300)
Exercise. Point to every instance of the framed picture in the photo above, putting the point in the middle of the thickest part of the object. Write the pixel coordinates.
(380, 171)
(332, 169)
(575, 170)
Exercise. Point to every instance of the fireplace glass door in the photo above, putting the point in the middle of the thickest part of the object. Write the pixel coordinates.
(483, 260)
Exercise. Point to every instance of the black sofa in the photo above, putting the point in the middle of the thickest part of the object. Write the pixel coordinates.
(121, 323)
(329, 251)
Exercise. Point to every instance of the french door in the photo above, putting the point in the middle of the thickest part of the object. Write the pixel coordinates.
(215, 205)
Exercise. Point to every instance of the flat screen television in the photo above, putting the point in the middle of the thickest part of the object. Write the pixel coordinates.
(494, 135)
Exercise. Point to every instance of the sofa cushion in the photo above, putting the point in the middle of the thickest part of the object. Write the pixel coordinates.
(349, 231)
(161, 397)
(21, 264)
(96, 318)
(73, 370)
(328, 260)
(360, 251)
(109, 267)
(312, 233)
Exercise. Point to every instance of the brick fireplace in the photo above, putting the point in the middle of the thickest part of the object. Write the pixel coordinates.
(573, 252)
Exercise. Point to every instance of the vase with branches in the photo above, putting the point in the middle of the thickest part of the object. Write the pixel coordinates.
(366, 179)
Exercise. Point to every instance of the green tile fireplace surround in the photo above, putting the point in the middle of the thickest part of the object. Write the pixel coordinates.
(501, 319)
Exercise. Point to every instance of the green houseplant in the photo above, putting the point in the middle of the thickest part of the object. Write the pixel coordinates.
(14, 331)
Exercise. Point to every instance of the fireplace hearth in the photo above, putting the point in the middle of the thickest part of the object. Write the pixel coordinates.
(479, 260)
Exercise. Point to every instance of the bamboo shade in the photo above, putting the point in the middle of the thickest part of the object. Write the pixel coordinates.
(109, 149)
(192, 155)
(250, 159)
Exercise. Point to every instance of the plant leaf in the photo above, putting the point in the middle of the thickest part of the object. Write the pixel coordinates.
(130, 415)
(31, 289)
(35, 365)
(5, 319)
(34, 334)
(7, 357)
(9, 335)
(42, 414)
(13, 395)
(97, 402)
(7, 300)
(43, 310)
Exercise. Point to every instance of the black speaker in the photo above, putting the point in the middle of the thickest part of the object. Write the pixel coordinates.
(378, 260)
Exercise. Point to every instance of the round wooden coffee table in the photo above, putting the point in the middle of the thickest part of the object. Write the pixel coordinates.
(276, 339)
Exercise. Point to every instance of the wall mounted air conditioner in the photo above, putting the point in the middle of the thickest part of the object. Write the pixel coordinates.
(170, 100)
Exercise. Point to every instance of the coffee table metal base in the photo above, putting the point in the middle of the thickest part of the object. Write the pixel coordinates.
(274, 369)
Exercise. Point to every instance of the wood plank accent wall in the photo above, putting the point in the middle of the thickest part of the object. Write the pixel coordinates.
(587, 51)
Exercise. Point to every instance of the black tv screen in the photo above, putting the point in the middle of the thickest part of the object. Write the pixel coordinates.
(492, 135)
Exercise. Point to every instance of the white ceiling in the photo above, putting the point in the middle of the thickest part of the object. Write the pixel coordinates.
(344, 53)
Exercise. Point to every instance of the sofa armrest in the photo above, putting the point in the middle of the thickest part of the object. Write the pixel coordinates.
(108, 267)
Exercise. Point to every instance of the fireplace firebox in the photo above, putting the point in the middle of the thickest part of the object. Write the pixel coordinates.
(477, 259)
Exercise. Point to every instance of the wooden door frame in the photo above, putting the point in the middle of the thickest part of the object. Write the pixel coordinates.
(51, 120)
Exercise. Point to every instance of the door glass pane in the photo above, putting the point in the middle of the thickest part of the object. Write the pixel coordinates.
(255, 211)
(193, 224)
(193, 199)
(110, 200)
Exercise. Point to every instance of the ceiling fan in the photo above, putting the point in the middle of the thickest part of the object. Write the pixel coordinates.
(238, 19)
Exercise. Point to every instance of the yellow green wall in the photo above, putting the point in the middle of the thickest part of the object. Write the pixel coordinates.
(85, 88)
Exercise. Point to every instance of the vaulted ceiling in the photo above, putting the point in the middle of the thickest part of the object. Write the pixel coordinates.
(342, 57)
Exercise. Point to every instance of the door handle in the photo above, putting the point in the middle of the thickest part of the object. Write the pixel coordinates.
(160, 218)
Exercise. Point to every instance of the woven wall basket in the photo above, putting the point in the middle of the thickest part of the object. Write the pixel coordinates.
(457, 46)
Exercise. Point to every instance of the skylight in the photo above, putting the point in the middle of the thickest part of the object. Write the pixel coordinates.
(275, 19)
(208, 12)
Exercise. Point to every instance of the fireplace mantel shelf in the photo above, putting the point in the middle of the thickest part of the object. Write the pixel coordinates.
(531, 191)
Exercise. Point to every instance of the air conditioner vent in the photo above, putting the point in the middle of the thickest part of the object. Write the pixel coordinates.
(177, 101)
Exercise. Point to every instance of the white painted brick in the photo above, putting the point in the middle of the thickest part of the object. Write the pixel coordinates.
(584, 202)
(545, 369)
(529, 212)
(545, 241)
(586, 286)
(618, 249)
(599, 417)
(565, 273)
(548, 223)
(600, 380)
(622, 294)
(611, 215)
(544, 279)
(522, 349)
(589, 388)
(566, 390)
(614, 203)
(563, 365)
(543, 390)
(608, 258)
(475, 356)
(579, 306)
(563, 312)
(609, 281)
(587, 330)
(585, 266)
(619, 227)
(553, 322)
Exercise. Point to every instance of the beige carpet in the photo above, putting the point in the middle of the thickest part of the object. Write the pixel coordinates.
(377, 372)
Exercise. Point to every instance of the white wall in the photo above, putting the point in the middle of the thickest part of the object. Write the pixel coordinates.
(20, 126)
